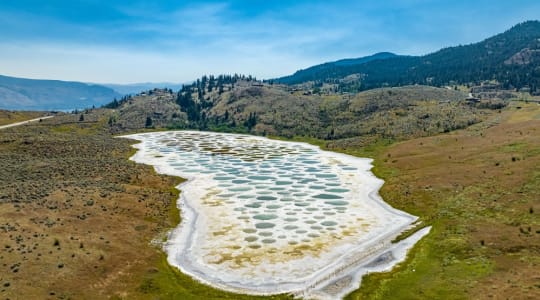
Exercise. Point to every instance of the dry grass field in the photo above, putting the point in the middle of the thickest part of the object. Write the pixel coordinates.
(8, 117)
(480, 189)
(77, 218)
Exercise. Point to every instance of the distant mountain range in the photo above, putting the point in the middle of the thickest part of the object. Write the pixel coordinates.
(512, 58)
(37, 94)
(34, 94)
(331, 69)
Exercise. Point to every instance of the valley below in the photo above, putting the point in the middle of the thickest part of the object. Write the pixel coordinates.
(75, 210)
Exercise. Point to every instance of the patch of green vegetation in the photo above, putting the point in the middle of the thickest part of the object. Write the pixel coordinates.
(174, 212)
(435, 269)
(513, 147)
(369, 150)
(524, 149)
(302, 139)
(443, 265)
(407, 233)
(167, 282)
(228, 129)
(10, 117)
(93, 123)
(62, 129)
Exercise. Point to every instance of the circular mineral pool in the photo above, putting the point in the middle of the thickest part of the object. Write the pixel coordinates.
(264, 225)
(327, 196)
(290, 227)
(251, 239)
(265, 217)
(329, 223)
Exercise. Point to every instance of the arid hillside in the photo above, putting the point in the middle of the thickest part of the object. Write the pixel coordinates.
(75, 210)
(274, 110)
(78, 219)
(479, 189)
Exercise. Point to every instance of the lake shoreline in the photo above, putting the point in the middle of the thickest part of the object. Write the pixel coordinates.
(317, 284)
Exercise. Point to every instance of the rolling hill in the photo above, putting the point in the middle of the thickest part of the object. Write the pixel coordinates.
(512, 58)
(243, 106)
(330, 69)
(34, 94)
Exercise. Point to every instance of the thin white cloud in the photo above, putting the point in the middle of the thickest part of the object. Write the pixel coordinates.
(119, 65)
(178, 45)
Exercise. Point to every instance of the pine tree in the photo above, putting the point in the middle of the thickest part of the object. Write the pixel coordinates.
(148, 122)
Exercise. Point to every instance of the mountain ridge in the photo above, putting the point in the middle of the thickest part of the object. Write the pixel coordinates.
(48, 94)
(489, 59)
(311, 73)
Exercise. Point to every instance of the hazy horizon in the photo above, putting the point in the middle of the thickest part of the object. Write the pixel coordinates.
(127, 42)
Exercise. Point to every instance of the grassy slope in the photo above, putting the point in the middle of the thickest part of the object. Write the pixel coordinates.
(159, 107)
(397, 113)
(479, 189)
(8, 117)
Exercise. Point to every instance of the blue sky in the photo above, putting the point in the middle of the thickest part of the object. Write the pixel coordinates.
(120, 41)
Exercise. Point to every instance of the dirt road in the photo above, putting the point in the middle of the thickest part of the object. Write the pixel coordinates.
(24, 122)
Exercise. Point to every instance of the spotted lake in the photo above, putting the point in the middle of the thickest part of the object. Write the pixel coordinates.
(261, 216)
